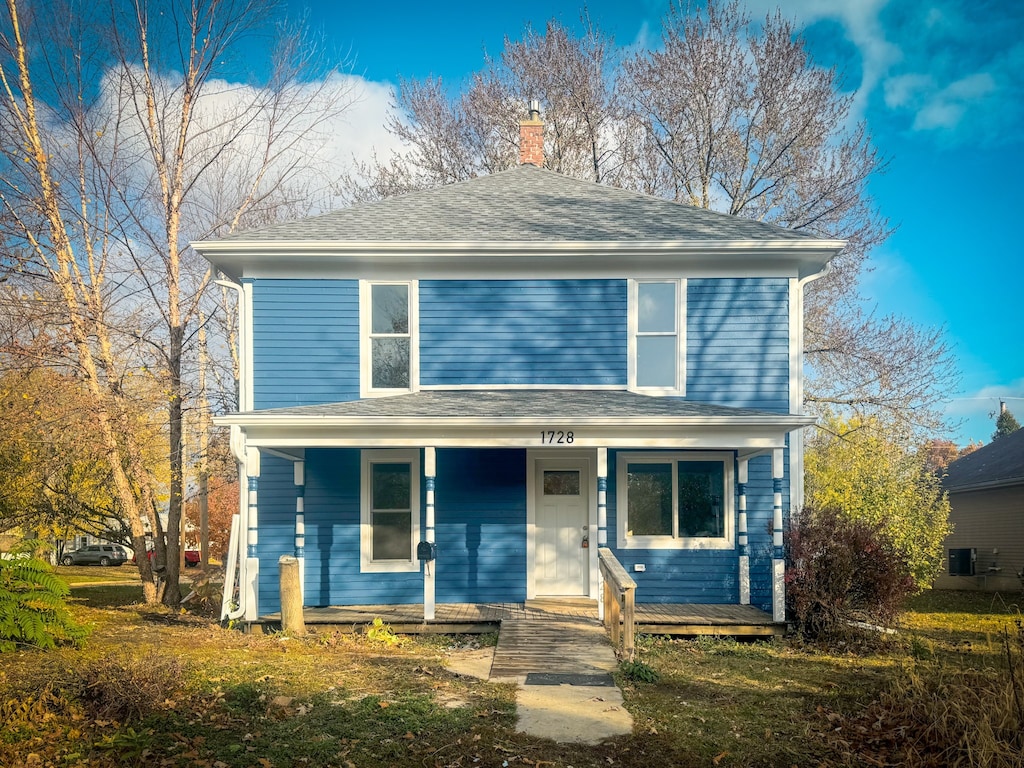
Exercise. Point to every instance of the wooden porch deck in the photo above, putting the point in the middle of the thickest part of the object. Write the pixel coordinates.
(682, 619)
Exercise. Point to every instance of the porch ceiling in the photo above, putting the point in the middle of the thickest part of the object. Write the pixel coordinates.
(518, 418)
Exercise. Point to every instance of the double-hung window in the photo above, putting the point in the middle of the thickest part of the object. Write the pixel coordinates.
(675, 500)
(390, 515)
(657, 338)
(389, 340)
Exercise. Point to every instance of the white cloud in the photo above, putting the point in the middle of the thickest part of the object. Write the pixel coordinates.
(360, 131)
(944, 68)
(904, 90)
(947, 107)
(976, 411)
(863, 27)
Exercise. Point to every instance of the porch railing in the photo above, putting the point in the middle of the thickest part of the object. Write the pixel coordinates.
(619, 602)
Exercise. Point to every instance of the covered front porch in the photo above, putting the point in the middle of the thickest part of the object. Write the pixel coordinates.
(674, 619)
(485, 534)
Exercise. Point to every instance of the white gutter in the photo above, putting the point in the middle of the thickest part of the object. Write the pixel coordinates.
(470, 247)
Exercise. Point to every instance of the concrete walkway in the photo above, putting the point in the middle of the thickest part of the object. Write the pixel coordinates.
(563, 667)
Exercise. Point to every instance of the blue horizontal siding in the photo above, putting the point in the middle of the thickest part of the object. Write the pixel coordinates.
(737, 342)
(275, 499)
(705, 576)
(480, 514)
(523, 332)
(305, 342)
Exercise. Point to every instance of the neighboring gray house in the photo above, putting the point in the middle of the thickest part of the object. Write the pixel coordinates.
(986, 497)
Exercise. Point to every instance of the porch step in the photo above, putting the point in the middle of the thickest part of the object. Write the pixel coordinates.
(563, 646)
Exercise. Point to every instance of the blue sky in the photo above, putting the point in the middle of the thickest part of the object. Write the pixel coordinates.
(940, 84)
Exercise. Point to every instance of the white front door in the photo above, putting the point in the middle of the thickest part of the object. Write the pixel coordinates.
(562, 534)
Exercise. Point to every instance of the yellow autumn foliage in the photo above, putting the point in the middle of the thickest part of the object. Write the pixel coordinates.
(854, 466)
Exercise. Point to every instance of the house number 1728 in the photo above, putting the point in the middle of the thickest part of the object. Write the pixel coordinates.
(555, 438)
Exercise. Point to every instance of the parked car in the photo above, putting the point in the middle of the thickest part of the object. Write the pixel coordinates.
(96, 554)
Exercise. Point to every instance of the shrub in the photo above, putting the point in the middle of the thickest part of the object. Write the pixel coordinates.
(33, 603)
(126, 687)
(841, 570)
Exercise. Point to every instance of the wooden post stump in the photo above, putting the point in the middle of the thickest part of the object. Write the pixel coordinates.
(292, 622)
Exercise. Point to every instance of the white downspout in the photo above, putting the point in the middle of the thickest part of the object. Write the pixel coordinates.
(796, 443)
(237, 444)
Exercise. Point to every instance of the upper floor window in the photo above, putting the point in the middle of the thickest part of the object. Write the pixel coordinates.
(675, 500)
(657, 338)
(389, 343)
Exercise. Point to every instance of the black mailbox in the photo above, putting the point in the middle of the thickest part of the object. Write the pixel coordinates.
(426, 550)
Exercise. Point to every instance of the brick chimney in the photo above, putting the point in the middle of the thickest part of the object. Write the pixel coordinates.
(531, 138)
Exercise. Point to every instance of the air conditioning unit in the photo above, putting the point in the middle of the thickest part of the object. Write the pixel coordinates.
(961, 561)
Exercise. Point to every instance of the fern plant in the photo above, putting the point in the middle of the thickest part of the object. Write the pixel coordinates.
(33, 603)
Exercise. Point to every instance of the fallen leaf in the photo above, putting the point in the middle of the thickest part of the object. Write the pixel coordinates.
(718, 758)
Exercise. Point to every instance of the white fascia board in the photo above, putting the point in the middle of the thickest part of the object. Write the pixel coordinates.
(256, 419)
(748, 434)
(475, 260)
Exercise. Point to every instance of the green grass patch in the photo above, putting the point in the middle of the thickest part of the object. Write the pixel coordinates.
(340, 699)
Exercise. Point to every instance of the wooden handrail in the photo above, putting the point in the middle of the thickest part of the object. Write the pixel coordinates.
(619, 600)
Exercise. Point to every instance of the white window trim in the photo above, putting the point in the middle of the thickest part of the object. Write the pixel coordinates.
(623, 460)
(366, 388)
(367, 564)
(634, 324)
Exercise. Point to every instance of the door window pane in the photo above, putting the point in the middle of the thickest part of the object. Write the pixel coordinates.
(561, 483)
(701, 487)
(650, 499)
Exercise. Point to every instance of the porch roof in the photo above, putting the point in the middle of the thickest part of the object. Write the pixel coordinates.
(517, 418)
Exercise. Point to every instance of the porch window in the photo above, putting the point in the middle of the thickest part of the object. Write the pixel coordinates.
(390, 511)
(657, 348)
(389, 343)
(675, 500)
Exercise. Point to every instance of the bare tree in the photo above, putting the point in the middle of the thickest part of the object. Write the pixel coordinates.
(143, 134)
(477, 131)
(742, 121)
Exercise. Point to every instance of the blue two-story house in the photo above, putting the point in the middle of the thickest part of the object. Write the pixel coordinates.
(518, 369)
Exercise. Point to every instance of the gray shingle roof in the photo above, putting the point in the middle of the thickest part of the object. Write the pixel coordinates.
(521, 205)
(1001, 462)
(520, 403)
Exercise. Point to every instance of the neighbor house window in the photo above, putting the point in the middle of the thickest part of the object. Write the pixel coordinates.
(389, 342)
(675, 500)
(390, 510)
(657, 361)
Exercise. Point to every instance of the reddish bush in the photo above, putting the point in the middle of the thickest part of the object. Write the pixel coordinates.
(841, 570)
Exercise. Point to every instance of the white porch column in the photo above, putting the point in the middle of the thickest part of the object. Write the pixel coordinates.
(430, 472)
(300, 522)
(252, 563)
(778, 555)
(602, 520)
(741, 531)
